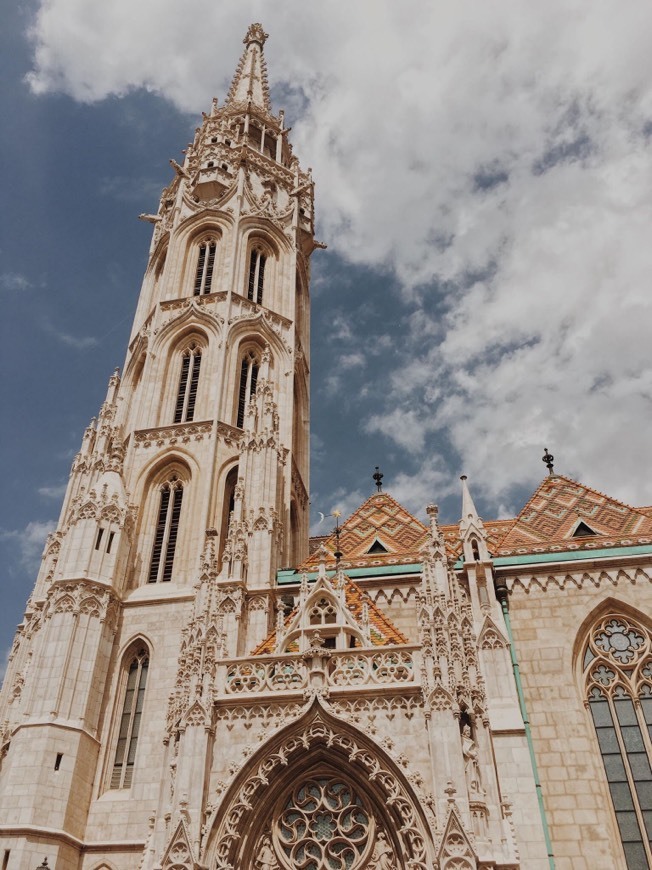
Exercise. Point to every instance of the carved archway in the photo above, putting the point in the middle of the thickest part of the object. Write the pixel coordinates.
(319, 792)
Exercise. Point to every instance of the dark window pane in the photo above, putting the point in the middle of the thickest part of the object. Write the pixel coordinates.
(601, 712)
(613, 764)
(629, 829)
(646, 706)
(635, 856)
(647, 819)
(607, 740)
(183, 386)
(625, 712)
(644, 795)
(621, 796)
(209, 268)
(632, 738)
(640, 766)
(200, 269)
(252, 276)
(160, 534)
(242, 395)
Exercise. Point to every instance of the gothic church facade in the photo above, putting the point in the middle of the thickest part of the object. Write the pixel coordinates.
(406, 695)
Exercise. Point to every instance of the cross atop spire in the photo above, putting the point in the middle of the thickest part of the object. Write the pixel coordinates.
(249, 83)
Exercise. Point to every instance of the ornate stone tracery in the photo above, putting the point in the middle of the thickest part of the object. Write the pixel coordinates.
(373, 793)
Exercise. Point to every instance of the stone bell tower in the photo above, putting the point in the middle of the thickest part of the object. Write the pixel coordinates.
(196, 467)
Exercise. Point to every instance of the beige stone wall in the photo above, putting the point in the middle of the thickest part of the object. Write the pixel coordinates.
(551, 614)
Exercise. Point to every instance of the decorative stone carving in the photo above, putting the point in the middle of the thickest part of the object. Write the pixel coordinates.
(180, 433)
(317, 732)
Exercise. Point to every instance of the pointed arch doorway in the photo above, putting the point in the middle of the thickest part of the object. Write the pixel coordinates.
(320, 795)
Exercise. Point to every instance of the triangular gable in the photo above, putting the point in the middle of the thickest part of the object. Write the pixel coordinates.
(382, 632)
(380, 517)
(559, 504)
(179, 852)
(455, 850)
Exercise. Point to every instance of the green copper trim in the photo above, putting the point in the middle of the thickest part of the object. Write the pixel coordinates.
(570, 555)
(289, 575)
(528, 732)
(567, 556)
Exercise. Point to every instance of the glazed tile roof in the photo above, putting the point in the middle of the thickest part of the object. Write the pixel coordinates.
(383, 632)
(559, 505)
(546, 523)
(379, 521)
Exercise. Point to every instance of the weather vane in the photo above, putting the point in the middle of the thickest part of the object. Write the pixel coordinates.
(338, 553)
(548, 458)
(337, 514)
(378, 477)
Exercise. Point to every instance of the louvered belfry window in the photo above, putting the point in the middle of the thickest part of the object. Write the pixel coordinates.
(248, 380)
(205, 265)
(129, 727)
(256, 276)
(167, 529)
(618, 673)
(184, 411)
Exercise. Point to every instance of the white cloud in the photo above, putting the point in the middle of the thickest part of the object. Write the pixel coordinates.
(13, 282)
(29, 542)
(494, 156)
(56, 492)
(83, 342)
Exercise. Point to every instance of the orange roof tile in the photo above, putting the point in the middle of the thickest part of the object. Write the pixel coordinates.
(381, 518)
(545, 523)
(556, 508)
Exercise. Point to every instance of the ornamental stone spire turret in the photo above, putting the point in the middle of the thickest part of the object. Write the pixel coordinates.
(249, 83)
(472, 532)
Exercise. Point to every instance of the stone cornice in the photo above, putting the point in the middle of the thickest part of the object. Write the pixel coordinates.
(179, 433)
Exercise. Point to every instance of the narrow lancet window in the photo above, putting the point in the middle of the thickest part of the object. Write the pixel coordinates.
(618, 671)
(205, 264)
(256, 276)
(129, 726)
(167, 529)
(184, 411)
(248, 380)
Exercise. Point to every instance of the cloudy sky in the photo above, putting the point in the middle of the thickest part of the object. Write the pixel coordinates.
(484, 187)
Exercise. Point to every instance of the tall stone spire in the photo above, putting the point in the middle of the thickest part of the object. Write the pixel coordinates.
(472, 532)
(249, 83)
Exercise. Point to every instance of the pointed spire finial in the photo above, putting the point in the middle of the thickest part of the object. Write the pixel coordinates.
(378, 477)
(255, 33)
(548, 459)
(468, 507)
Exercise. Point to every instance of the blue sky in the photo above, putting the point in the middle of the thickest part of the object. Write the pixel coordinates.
(483, 184)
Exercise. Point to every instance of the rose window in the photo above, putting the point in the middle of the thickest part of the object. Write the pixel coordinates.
(323, 826)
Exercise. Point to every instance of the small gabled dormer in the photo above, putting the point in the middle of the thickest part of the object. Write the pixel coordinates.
(582, 530)
(377, 548)
(322, 608)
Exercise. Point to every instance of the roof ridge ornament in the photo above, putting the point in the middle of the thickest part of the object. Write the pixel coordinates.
(548, 459)
(378, 478)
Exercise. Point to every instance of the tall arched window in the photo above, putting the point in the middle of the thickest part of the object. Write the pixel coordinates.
(205, 265)
(227, 508)
(618, 672)
(129, 726)
(256, 282)
(167, 529)
(184, 410)
(248, 380)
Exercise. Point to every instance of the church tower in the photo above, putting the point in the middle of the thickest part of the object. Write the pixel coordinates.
(189, 492)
